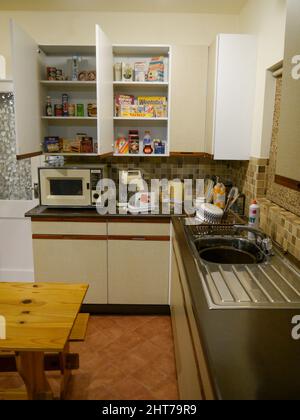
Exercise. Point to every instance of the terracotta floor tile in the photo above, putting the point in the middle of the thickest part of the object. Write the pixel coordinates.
(147, 351)
(167, 391)
(131, 389)
(151, 377)
(122, 358)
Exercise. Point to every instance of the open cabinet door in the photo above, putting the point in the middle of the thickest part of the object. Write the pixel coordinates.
(26, 79)
(105, 96)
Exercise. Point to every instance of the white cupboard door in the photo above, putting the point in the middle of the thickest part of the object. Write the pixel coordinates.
(188, 100)
(26, 78)
(235, 94)
(138, 272)
(73, 261)
(105, 96)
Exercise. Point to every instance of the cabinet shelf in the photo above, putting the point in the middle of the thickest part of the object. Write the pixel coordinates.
(140, 155)
(70, 118)
(71, 154)
(140, 119)
(65, 83)
(142, 84)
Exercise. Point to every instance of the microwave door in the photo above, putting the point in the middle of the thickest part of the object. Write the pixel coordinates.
(66, 187)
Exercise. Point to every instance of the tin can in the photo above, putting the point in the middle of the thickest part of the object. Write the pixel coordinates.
(80, 110)
(71, 110)
(92, 110)
(58, 110)
(59, 75)
(65, 104)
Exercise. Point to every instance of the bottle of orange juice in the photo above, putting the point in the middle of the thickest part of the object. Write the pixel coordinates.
(220, 195)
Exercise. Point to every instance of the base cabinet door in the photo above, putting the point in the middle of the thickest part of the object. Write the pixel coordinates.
(138, 272)
(189, 382)
(194, 380)
(73, 261)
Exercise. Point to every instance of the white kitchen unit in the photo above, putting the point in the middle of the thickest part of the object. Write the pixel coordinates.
(193, 378)
(159, 127)
(138, 263)
(31, 88)
(188, 100)
(231, 94)
(123, 262)
(72, 252)
(78, 92)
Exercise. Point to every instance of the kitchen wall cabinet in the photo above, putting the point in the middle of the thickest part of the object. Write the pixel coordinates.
(138, 263)
(193, 378)
(231, 94)
(188, 99)
(31, 89)
(159, 126)
(70, 252)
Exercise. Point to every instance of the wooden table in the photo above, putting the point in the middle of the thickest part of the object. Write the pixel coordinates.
(39, 319)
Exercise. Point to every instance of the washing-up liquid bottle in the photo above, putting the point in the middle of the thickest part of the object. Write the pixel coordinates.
(254, 217)
(220, 195)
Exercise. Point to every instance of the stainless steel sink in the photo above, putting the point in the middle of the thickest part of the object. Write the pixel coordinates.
(220, 250)
(240, 274)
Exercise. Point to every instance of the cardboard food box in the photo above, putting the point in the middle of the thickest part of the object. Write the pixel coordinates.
(52, 145)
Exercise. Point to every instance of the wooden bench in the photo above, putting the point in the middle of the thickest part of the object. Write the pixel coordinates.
(79, 329)
(64, 362)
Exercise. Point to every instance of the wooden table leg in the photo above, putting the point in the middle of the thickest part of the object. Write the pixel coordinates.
(30, 366)
(65, 372)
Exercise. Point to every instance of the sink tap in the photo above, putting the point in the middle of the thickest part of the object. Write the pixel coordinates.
(262, 240)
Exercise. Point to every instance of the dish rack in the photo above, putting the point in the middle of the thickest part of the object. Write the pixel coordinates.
(226, 227)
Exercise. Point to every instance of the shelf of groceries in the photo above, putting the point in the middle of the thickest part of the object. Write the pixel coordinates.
(141, 115)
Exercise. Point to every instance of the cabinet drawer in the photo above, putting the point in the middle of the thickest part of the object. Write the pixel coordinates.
(138, 229)
(69, 228)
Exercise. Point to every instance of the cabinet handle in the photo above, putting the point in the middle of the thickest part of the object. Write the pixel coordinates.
(138, 238)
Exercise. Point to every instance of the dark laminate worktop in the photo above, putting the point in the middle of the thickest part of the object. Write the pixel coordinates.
(47, 212)
(250, 353)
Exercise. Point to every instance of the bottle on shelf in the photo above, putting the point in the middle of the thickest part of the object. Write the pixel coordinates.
(49, 109)
(147, 143)
(75, 68)
(65, 105)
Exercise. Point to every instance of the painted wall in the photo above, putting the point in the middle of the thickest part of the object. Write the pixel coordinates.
(79, 28)
(16, 256)
(266, 19)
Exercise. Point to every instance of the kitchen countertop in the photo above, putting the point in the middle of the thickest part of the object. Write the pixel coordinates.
(250, 352)
(47, 212)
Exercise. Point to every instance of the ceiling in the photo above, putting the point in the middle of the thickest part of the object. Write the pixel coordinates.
(161, 6)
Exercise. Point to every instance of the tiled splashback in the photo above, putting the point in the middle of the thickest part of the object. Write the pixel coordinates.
(15, 177)
(282, 225)
(252, 178)
(177, 168)
(171, 168)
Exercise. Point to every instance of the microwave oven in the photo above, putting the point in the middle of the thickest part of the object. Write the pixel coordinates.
(70, 186)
